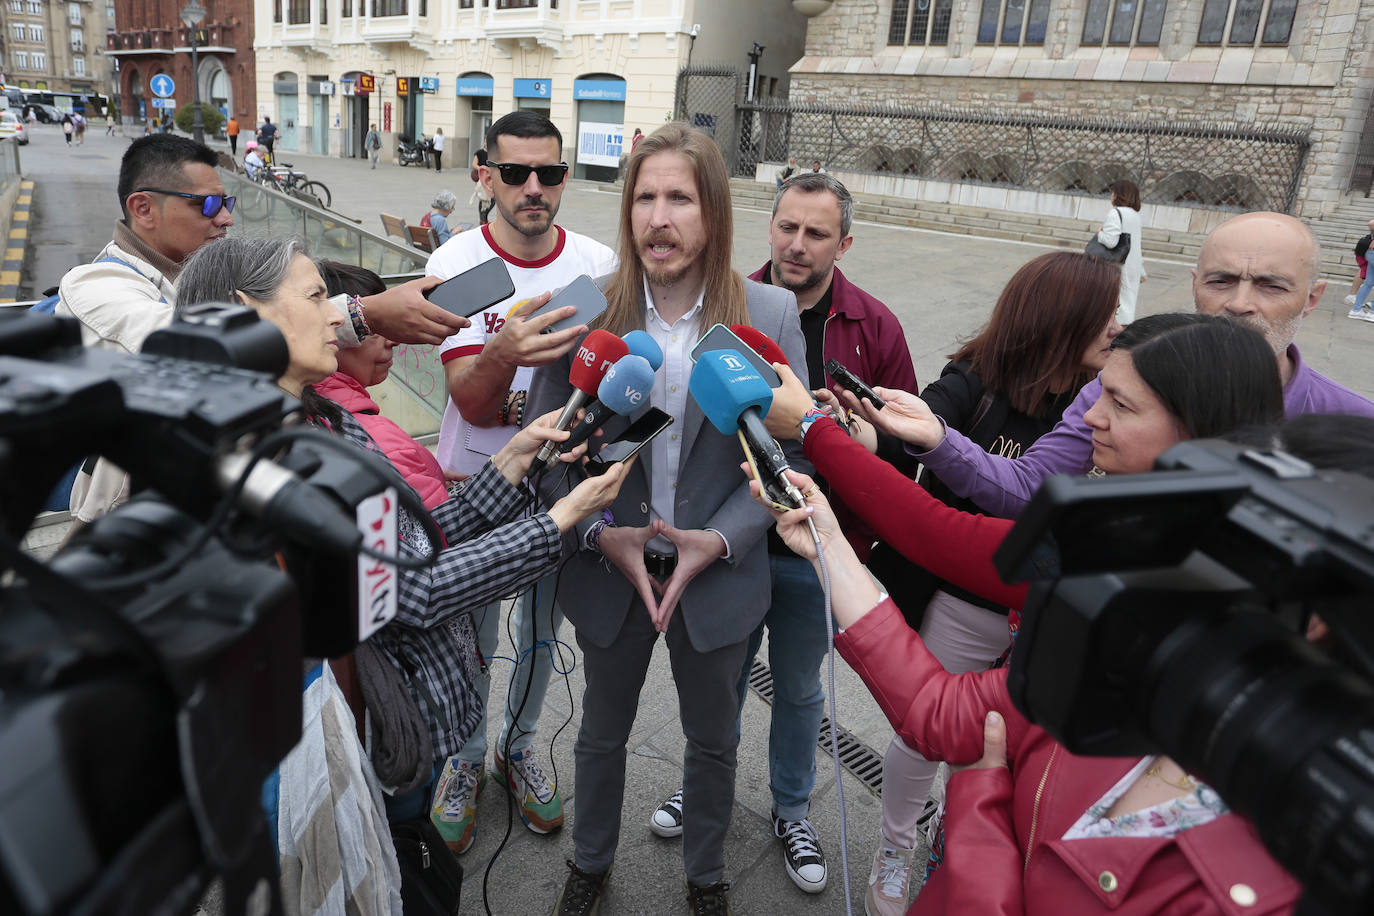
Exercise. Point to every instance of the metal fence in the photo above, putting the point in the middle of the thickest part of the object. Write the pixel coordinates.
(1232, 166)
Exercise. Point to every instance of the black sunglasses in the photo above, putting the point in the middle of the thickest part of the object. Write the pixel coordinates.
(513, 173)
(210, 204)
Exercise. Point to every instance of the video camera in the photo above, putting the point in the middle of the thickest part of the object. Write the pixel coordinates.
(1167, 615)
(151, 674)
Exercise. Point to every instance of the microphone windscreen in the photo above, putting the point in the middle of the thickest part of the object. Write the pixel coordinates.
(595, 355)
(642, 344)
(725, 385)
(760, 343)
(627, 384)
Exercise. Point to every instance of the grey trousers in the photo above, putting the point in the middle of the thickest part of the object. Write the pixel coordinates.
(707, 706)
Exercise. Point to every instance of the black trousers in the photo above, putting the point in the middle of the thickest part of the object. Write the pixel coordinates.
(438, 159)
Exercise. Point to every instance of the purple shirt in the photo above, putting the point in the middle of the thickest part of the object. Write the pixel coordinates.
(1003, 486)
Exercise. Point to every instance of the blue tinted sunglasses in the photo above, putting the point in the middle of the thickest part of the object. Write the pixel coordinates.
(210, 204)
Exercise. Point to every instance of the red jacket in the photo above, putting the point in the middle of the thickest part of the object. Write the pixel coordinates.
(415, 462)
(1205, 869)
(865, 337)
(1004, 849)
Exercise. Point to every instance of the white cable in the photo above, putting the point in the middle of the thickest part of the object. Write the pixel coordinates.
(834, 720)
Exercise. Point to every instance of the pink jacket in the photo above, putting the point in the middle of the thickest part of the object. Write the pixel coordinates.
(1022, 865)
(415, 462)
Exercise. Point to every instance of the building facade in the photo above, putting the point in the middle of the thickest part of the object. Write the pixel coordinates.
(55, 46)
(1273, 63)
(327, 69)
(149, 39)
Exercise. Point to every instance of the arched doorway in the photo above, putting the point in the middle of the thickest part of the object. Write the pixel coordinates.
(215, 87)
(474, 112)
(138, 105)
(601, 136)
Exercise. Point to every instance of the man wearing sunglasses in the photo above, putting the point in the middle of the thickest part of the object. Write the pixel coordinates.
(488, 370)
(174, 202)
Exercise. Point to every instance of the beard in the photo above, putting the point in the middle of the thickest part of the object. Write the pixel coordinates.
(660, 273)
(1278, 334)
(528, 225)
(806, 284)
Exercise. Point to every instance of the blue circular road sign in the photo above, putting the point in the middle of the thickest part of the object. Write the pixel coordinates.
(162, 85)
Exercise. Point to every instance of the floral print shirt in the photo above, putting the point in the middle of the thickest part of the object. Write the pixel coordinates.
(1166, 819)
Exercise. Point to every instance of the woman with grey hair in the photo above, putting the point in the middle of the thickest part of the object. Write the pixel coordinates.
(444, 204)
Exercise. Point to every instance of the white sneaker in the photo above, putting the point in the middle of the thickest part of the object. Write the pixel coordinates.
(1364, 313)
(889, 882)
(1350, 299)
(666, 821)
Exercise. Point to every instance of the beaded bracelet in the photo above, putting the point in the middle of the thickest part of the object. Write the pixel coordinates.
(811, 416)
(355, 315)
(520, 398)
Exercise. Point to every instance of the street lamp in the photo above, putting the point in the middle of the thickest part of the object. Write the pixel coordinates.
(754, 54)
(192, 15)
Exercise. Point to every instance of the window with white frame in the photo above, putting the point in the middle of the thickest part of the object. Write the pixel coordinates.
(919, 22)
(35, 33)
(20, 33)
(79, 66)
(74, 13)
(1237, 22)
(40, 60)
(1013, 22)
(1123, 22)
(34, 6)
(78, 41)
(21, 60)
(16, 6)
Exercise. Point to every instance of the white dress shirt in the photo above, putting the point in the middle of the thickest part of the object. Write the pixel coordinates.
(669, 394)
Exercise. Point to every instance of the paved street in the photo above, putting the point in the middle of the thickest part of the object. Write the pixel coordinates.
(941, 286)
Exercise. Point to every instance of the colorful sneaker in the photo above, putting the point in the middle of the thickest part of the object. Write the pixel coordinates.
(541, 804)
(581, 894)
(454, 812)
(801, 853)
(666, 821)
(711, 900)
(888, 882)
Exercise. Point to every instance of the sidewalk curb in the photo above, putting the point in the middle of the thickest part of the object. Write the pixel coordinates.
(12, 270)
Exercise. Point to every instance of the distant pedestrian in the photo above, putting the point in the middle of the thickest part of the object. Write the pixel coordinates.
(165, 124)
(438, 146)
(109, 123)
(1124, 219)
(231, 130)
(68, 128)
(816, 166)
(789, 171)
(267, 135)
(1359, 303)
(79, 120)
(480, 197)
(373, 144)
(634, 141)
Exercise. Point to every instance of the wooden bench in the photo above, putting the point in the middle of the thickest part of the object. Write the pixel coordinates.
(423, 237)
(396, 228)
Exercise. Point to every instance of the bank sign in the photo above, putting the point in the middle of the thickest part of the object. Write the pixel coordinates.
(599, 90)
(600, 144)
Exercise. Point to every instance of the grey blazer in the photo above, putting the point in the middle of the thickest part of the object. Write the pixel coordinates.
(727, 599)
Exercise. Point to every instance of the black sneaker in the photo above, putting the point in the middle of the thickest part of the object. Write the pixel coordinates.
(801, 853)
(711, 900)
(666, 821)
(581, 894)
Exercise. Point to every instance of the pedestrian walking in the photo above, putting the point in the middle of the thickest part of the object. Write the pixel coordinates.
(480, 197)
(68, 128)
(79, 122)
(231, 130)
(109, 124)
(437, 144)
(373, 144)
(267, 135)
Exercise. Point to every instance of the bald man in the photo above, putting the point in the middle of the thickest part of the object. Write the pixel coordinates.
(1258, 268)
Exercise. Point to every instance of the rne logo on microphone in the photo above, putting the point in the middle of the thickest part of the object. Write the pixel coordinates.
(586, 357)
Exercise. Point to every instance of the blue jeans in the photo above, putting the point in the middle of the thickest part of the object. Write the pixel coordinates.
(797, 643)
(535, 615)
(1363, 295)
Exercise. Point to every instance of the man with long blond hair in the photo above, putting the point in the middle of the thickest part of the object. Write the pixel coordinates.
(682, 550)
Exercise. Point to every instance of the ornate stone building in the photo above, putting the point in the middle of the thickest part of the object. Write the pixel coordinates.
(149, 38)
(56, 46)
(1264, 64)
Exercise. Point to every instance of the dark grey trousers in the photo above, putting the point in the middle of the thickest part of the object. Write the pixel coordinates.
(707, 705)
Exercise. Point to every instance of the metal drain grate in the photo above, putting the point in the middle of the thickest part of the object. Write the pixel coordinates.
(863, 763)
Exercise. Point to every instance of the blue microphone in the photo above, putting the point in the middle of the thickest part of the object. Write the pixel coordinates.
(641, 344)
(735, 398)
(624, 390)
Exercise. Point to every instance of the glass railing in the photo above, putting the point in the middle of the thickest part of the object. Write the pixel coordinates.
(416, 392)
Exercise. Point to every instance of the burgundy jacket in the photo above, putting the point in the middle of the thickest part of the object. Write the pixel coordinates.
(865, 337)
(1212, 868)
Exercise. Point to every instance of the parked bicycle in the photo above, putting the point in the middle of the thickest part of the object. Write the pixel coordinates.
(297, 184)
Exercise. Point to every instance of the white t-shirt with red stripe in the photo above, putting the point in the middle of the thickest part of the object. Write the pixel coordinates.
(462, 446)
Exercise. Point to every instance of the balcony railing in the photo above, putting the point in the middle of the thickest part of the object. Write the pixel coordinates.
(214, 35)
(139, 40)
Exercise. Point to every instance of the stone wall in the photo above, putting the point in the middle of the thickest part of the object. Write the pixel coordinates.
(1320, 81)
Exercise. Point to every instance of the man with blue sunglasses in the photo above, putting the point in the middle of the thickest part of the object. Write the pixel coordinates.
(173, 203)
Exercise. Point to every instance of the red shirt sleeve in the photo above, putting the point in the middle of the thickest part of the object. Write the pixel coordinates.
(956, 546)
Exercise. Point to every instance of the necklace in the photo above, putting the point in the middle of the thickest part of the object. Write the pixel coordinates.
(1187, 783)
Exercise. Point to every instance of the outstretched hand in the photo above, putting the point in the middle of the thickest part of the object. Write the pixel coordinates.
(404, 315)
(905, 416)
(521, 341)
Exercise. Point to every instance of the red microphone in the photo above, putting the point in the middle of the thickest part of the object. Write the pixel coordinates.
(760, 343)
(598, 351)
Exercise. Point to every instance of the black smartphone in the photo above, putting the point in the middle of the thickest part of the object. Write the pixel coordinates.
(720, 337)
(474, 290)
(582, 293)
(852, 383)
(625, 446)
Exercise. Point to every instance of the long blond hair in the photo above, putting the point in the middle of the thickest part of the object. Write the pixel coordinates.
(723, 301)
